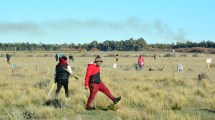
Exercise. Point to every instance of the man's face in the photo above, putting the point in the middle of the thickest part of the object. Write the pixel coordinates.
(98, 63)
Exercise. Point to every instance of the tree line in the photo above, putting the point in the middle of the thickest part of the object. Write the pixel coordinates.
(112, 45)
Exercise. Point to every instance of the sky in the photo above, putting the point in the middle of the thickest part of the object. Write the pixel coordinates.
(83, 21)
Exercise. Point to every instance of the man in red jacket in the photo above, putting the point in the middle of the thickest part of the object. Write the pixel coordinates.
(94, 83)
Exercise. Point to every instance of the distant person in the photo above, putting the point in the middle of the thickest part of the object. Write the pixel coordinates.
(154, 56)
(8, 58)
(71, 58)
(62, 73)
(140, 61)
(94, 83)
(117, 57)
(56, 57)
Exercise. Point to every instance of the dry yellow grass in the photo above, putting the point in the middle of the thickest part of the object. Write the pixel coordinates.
(145, 94)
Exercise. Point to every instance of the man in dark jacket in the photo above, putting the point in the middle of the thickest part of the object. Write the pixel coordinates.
(71, 58)
(117, 57)
(94, 83)
(62, 73)
(56, 57)
(8, 58)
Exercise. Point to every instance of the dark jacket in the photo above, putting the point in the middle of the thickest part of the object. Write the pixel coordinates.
(8, 56)
(61, 73)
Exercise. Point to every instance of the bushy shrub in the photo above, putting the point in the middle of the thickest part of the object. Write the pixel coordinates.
(169, 55)
(85, 55)
(183, 50)
(94, 49)
(1, 55)
(31, 115)
(202, 76)
(211, 50)
(212, 65)
(153, 49)
(110, 55)
(29, 55)
(195, 55)
(127, 56)
(198, 49)
(48, 55)
(183, 55)
(41, 84)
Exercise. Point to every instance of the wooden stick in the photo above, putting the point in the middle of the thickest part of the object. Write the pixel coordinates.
(51, 90)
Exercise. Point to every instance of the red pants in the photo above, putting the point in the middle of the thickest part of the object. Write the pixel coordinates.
(94, 88)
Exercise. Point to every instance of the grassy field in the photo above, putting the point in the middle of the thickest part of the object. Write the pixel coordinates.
(146, 95)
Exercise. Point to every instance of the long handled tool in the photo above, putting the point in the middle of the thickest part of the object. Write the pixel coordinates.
(75, 77)
(51, 90)
(72, 74)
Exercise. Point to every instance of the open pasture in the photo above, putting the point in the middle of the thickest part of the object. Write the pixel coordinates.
(146, 95)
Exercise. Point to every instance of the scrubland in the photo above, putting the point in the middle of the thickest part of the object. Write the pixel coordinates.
(146, 95)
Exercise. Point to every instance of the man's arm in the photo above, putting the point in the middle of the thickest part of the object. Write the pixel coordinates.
(55, 76)
(69, 70)
(87, 77)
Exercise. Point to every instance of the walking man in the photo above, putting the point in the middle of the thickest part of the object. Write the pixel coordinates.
(155, 56)
(71, 58)
(94, 83)
(8, 58)
(141, 61)
(117, 57)
(62, 73)
(56, 57)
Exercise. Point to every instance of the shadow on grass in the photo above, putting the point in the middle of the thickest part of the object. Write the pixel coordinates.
(112, 107)
(208, 110)
(203, 113)
(53, 102)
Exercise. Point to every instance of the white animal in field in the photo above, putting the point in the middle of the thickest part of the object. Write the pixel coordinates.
(114, 65)
(179, 67)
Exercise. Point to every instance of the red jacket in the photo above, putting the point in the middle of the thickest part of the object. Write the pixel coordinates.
(140, 61)
(92, 75)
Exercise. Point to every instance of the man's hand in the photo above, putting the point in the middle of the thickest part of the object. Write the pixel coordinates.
(86, 87)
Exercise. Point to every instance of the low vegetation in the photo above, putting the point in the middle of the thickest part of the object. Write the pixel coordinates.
(146, 95)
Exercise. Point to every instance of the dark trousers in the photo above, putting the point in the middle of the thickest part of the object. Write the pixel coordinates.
(8, 60)
(94, 88)
(65, 85)
(141, 67)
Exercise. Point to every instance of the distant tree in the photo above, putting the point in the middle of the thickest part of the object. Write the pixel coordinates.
(140, 43)
(93, 44)
(109, 45)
